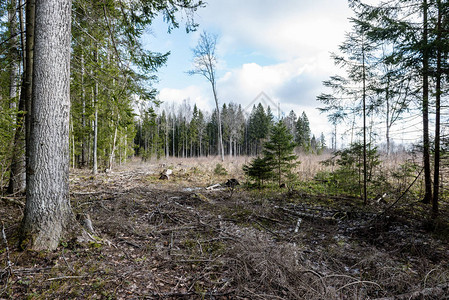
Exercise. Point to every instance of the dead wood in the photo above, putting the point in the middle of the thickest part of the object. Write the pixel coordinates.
(309, 216)
(439, 292)
(213, 187)
(14, 200)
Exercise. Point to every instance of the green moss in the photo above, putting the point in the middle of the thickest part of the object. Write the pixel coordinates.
(95, 245)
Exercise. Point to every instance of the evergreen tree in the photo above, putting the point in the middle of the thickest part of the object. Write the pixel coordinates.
(290, 122)
(278, 151)
(258, 128)
(303, 132)
(259, 170)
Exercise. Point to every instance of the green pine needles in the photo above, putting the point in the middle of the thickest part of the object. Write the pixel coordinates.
(279, 159)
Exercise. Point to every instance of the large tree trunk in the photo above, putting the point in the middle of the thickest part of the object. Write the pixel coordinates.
(47, 211)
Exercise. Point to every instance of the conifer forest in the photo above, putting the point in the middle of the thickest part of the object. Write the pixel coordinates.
(127, 172)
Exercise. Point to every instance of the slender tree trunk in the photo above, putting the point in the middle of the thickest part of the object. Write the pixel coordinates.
(220, 132)
(17, 168)
(388, 125)
(30, 20)
(111, 157)
(365, 199)
(126, 148)
(173, 141)
(425, 109)
(18, 175)
(84, 148)
(167, 149)
(14, 55)
(73, 144)
(95, 144)
(47, 211)
(22, 32)
(436, 178)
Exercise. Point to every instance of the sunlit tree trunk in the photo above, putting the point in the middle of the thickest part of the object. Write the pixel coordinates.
(47, 211)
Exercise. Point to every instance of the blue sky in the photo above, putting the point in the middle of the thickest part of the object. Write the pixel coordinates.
(279, 47)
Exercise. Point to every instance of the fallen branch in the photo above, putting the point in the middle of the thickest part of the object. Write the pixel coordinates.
(64, 278)
(14, 200)
(438, 292)
(213, 187)
(398, 199)
(309, 216)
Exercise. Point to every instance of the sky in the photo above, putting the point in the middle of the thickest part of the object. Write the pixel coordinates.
(281, 48)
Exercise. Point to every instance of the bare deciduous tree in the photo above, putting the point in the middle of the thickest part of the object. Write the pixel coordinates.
(204, 63)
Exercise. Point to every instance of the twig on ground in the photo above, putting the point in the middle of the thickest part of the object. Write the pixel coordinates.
(66, 262)
(359, 282)
(14, 200)
(437, 292)
(8, 262)
(8, 270)
(64, 278)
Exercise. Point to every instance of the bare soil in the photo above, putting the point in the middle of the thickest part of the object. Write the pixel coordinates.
(173, 239)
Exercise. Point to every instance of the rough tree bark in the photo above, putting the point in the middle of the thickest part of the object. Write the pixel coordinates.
(47, 211)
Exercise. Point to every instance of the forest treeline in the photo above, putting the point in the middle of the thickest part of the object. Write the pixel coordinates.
(184, 131)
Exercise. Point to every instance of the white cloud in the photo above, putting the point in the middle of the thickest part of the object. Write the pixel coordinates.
(284, 29)
(195, 94)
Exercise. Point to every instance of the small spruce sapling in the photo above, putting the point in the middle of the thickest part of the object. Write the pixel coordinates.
(258, 170)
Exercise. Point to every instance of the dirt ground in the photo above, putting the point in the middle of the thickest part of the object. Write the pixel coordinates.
(174, 239)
